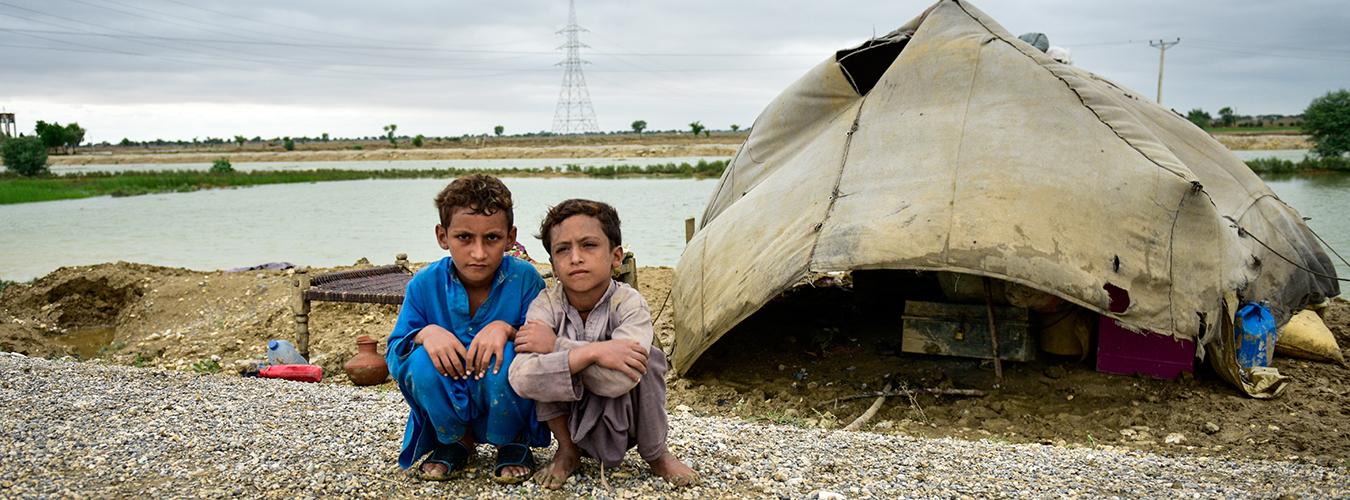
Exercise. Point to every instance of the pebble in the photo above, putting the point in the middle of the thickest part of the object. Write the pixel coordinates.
(80, 429)
(1211, 428)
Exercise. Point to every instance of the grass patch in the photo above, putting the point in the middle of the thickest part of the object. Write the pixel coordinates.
(17, 189)
(206, 366)
(1306, 165)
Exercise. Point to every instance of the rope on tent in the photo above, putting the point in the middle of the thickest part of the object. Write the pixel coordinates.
(1325, 244)
(1244, 232)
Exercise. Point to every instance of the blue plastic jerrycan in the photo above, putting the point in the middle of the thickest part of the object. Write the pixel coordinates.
(282, 352)
(1256, 332)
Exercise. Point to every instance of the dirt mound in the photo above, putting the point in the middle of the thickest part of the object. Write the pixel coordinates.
(808, 361)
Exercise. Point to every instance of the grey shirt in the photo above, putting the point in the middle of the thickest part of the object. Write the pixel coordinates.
(621, 313)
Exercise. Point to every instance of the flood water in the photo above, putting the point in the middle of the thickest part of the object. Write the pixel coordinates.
(336, 223)
(317, 224)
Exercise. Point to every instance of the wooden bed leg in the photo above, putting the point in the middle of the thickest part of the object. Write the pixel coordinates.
(300, 306)
(628, 270)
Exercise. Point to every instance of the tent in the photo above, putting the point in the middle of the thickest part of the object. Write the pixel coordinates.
(951, 145)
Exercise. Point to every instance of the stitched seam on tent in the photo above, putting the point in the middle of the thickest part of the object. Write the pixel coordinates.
(960, 142)
(1075, 93)
(834, 193)
(1171, 262)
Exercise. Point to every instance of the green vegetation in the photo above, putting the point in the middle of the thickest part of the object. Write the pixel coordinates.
(6, 283)
(389, 134)
(639, 126)
(1327, 120)
(24, 156)
(735, 127)
(1307, 165)
(16, 189)
(206, 366)
(418, 141)
(288, 144)
(1199, 117)
(60, 139)
(498, 130)
(221, 166)
(1227, 116)
(696, 127)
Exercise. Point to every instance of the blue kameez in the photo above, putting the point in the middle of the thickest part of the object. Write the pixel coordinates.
(440, 407)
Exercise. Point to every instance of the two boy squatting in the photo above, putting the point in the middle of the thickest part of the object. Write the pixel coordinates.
(484, 354)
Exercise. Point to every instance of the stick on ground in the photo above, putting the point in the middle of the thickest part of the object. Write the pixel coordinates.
(871, 411)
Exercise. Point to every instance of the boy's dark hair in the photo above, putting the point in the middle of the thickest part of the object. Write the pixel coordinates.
(608, 217)
(481, 194)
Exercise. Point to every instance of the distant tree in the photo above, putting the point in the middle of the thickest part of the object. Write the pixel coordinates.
(639, 126)
(256, 138)
(1327, 121)
(389, 134)
(25, 156)
(418, 141)
(1227, 116)
(498, 130)
(735, 127)
(696, 127)
(324, 138)
(288, 144)
(52, 135)
(1199, 117)
(240, 140)
(73, 136)
(125, 142)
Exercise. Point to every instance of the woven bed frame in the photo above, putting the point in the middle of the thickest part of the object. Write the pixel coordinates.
(377, 285)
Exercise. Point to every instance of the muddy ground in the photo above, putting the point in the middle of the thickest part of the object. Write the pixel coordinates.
(788, 365)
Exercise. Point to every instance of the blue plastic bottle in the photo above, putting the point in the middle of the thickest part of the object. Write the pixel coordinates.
(282, 352)
(1255, 330)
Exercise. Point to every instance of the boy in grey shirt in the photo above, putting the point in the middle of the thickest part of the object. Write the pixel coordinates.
(585, 353)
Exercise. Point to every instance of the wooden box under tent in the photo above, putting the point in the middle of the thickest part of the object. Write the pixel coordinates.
(963, 330)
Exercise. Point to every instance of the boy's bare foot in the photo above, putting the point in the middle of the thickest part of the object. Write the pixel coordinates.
(554, 475)
(673, 471)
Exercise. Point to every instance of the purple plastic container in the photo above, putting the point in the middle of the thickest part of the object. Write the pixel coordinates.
(1124, 352)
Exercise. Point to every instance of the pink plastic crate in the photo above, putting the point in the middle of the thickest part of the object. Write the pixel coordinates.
(1124, 352)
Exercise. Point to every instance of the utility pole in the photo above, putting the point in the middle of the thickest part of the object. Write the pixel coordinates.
(1162, 47)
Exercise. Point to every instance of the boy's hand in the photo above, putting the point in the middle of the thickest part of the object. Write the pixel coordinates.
(489, 342)
(445, 350)
(627, 356)
(534, 336)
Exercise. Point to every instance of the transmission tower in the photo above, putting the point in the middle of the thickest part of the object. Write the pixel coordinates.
(574, 113)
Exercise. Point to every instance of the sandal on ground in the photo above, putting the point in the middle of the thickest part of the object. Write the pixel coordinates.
(511, 455)
(453, 456)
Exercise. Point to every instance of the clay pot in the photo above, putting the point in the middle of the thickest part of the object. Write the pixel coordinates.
(367, 366)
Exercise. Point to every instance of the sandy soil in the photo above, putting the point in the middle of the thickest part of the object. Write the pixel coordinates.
(783, 366)
(616, 146)
(1240, 142)
(493, 150)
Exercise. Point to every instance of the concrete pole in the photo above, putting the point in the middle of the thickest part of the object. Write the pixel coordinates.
(1162, 47)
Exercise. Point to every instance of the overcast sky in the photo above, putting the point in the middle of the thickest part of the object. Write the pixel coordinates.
(178, 69)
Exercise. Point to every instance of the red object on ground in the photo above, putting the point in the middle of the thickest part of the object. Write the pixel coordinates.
(1124, 352)
(298, 373)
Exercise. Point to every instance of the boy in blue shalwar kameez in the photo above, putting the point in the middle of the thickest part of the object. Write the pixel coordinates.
(453, 344)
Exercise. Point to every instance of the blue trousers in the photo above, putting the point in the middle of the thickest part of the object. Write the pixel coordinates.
(487, 407)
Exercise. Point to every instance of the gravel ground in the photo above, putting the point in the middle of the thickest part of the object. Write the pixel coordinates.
(83, 429)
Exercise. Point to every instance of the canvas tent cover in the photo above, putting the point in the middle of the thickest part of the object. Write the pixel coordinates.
(951, 145)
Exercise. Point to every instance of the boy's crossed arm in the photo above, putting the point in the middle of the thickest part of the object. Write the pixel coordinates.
(451, 358)
(609, 368)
